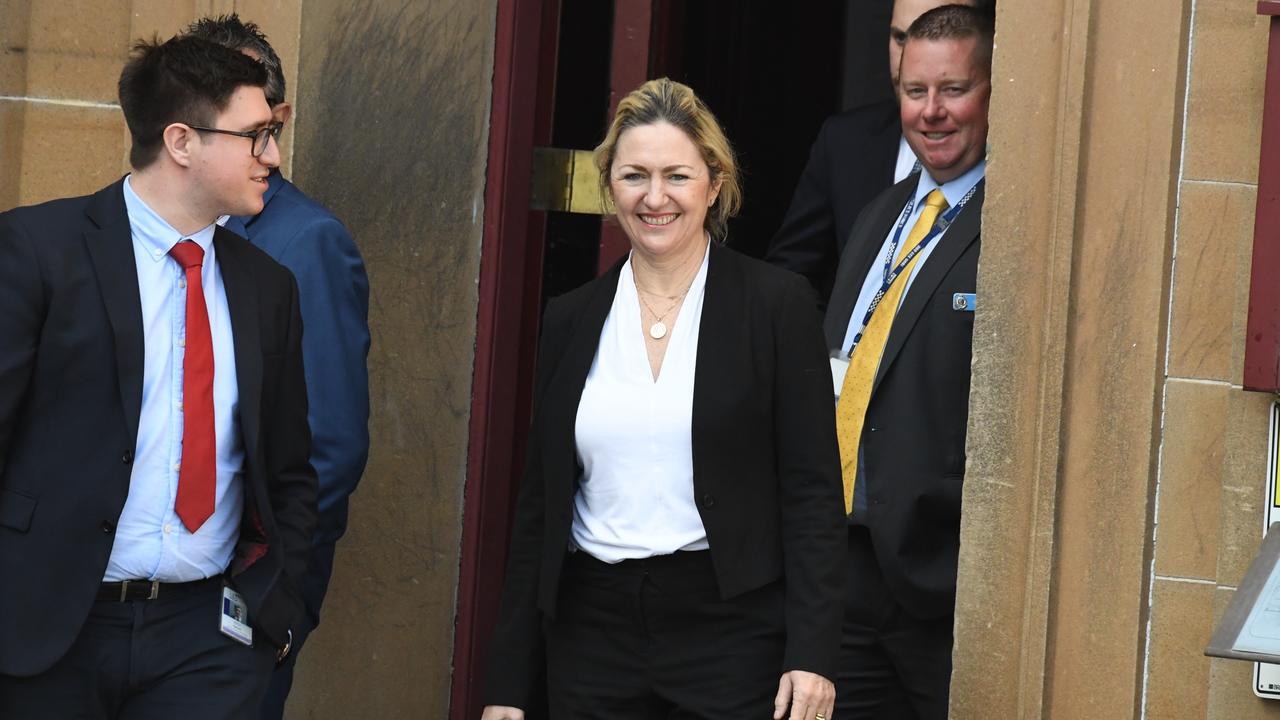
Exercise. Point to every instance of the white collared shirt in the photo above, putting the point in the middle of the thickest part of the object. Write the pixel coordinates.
(635, 436)
(954, 191)
(151, 542)
(906, 162)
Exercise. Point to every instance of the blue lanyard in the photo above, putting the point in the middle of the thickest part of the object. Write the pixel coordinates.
(891, 273)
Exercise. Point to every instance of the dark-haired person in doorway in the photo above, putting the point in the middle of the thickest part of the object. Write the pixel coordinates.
(856, 156)
(678, 537)
(900, 327)
(156, 502)
(333, 290)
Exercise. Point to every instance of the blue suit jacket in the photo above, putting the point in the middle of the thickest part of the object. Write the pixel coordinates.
(333, 289)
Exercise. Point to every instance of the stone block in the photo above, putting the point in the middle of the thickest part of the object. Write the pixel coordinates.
(1244, 479)
(1211, 281)
(1224, 104)
(280, 21)
(12, 115)
(13, 48)
(1178, 671)
(1116, 347)
(158, 18)
(66, 60)
(69, 151)
(1191, 479)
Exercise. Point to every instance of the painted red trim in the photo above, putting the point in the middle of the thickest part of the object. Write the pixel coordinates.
(1262, 344)
(628, 69)
(506, 331)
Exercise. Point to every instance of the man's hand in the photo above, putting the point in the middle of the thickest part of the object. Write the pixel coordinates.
(502, 712)
(810, 697)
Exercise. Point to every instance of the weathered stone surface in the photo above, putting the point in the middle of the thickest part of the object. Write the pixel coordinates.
(13, 47)
(1195, 419)
(1224, 107)
(69, 150)
(393, 106)
(76, 48)
(1244, 483)
(1211, 281)
(1178, 674)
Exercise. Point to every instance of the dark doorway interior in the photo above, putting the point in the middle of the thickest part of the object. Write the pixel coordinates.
(579, 120)
(770, 71)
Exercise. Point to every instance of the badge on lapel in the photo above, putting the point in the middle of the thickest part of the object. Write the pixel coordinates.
(964, 302)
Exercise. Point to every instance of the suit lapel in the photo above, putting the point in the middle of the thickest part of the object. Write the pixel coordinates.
(860, 254)
(721, 297)
(242, 304)
(110, 246)
(951, 245)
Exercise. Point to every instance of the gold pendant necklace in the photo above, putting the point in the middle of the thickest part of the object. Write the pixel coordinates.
(658, 329)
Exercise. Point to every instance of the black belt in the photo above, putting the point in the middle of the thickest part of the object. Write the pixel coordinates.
(129, 590)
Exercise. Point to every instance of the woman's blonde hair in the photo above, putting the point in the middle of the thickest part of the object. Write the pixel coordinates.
(668, 101)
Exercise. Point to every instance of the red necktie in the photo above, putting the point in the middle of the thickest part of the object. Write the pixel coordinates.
(197, 476)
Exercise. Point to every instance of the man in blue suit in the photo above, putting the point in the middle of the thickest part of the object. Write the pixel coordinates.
(302, 235)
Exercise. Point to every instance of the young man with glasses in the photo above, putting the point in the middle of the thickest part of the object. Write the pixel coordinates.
(333, 289)
(156, 500)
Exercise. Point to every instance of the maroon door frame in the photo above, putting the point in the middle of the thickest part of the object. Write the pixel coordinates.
(1262, 340)
(506, 329)
(510, 302)
(628, 69)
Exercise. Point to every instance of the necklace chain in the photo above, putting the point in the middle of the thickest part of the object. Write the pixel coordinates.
(658, 329)
(675, 299)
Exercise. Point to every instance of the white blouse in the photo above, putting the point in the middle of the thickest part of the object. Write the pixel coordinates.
(635, 436)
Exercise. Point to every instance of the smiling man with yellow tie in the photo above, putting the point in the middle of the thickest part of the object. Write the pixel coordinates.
(900, 325)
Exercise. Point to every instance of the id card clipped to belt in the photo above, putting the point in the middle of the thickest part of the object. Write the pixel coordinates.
(235, 617)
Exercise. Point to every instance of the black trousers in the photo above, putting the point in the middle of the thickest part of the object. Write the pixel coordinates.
(144, 659)
(314, 585)
(648, 639)
(892, 666)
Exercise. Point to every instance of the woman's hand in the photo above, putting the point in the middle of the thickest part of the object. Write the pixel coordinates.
(502, 712)
(810, 697)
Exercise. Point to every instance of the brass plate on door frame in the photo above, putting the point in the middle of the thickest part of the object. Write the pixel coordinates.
(565, 181)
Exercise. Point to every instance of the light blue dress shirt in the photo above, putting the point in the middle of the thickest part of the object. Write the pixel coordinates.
(954, 191)
(151, 542)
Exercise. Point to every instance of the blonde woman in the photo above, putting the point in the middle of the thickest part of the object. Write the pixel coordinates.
(679, 537)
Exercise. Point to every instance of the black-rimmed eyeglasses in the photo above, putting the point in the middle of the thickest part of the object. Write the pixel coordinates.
(258, 136)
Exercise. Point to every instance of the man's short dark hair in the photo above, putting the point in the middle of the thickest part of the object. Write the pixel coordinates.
(184, 79)
(232, 32)
(958, 22)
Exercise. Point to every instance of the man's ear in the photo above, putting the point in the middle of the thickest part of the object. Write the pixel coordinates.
(282, 112)
(179, 143)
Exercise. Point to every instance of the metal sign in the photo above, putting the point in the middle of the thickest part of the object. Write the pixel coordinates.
(1266, 678)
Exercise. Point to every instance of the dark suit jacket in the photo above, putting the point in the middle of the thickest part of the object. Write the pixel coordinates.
(851, 162)
(71, 364)
(333, 291)
(765, 462)
(913, 439)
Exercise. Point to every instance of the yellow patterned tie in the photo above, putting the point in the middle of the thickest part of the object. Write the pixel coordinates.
(851, 411)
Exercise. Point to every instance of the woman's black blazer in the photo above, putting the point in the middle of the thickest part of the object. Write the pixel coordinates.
(766, 468)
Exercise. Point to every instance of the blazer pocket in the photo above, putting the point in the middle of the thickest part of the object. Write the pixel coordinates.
(16, 510)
